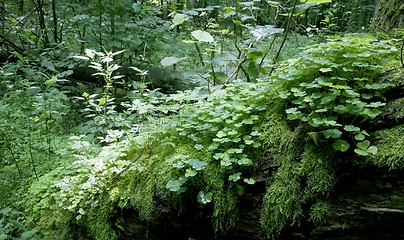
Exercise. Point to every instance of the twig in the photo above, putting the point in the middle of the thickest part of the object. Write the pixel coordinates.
(241, 61)
(127, 167)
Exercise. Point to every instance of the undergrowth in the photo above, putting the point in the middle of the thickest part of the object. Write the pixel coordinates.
(202, 150)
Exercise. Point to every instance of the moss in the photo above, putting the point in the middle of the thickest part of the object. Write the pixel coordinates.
(390, 148)
(97, 223)
(395, 108)
(281, 203)
(318, 166)
(225, 197)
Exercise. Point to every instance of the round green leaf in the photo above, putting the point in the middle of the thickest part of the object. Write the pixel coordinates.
(341, 145)
(372, 150)
(204, 198)
(249, 180)
(351, 128)
(333, 133)
(363, 145)
(361, 152)
(359, 137)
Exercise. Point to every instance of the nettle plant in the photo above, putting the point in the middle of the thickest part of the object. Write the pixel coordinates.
(335, 87)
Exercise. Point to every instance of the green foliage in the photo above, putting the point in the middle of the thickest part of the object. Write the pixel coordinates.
(333, 88)
(390, 151)
(328, 95)
(12, 226)
(72, 162)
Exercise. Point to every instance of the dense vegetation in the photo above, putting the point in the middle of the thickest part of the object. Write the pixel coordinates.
(157, 108)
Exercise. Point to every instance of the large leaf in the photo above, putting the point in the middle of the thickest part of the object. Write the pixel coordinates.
(202, 36)
(179, 19)
(318, 1)
(263, 31)
(169, 61)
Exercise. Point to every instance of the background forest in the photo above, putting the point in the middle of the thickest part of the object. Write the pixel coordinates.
(196, 119)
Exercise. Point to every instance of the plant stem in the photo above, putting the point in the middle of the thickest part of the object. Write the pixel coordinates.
(30, 152)
(287, 30)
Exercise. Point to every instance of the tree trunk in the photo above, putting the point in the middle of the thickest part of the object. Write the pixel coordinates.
(389, 14)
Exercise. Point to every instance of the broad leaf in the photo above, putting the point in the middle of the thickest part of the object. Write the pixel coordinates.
(318, 1)
(202, 36)
(179, 19)
(169, 61)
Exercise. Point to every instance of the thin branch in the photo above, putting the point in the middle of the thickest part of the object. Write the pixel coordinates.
(241, 61)
(128, 166)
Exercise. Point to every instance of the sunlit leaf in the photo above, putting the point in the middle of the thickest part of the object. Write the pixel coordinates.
(202, 36)
(169, 61)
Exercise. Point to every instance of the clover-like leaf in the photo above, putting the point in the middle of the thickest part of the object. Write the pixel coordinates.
(359, 137)
(351, 128)
(190, 173)
(363, 145)
(204, 198)
(244, 161)
(361, 152)
(333, 133)
(197, 164)
(249, 180)
(235, 177)
(372, 150)
(341, 145)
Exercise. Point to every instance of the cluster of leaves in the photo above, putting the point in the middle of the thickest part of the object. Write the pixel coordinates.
(226, 121)
(330, 91)
(333, 87)
(11, 226)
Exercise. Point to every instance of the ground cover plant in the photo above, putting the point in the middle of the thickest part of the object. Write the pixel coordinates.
(75, 154)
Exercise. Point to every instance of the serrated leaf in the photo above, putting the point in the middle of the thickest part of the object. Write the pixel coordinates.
(202, 36)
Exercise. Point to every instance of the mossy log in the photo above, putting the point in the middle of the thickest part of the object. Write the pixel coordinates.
(368, 201)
